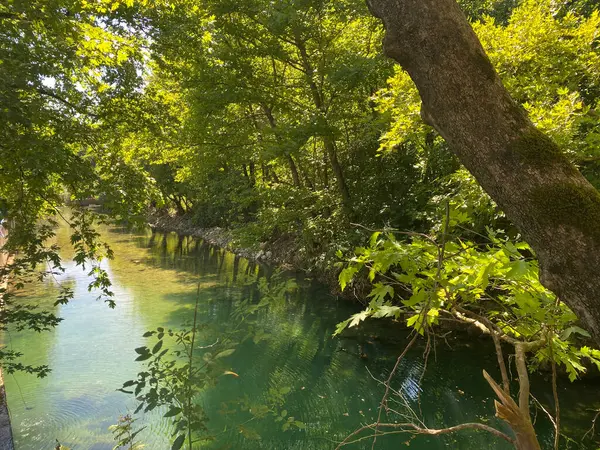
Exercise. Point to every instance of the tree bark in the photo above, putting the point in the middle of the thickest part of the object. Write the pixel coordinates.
(252, 174)
(329, 144)
(328, 139)
(293, 169)
(540, 191)
(307, 180)
(519, 421)
(325, 174)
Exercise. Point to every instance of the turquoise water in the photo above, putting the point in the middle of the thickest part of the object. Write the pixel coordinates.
(331, 383)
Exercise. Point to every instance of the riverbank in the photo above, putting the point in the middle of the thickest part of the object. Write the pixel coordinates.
(281, 252)
(162, 222)
(6, 438)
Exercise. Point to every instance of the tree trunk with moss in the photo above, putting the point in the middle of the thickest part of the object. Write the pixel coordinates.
(524, 171)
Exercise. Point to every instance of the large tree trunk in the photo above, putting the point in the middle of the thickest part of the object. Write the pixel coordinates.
(553, 205)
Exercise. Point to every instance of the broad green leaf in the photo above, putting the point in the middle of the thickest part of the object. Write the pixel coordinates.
(341, 326)
(417, 297)
(574, 329)
(386, 311)
(346, 276)
(157, 347)
(518, 269)
(172, 412)
(178, 442)
(380, 291)
(359, 317)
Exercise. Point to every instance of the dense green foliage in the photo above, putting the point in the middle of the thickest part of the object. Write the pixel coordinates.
(278, 119)
(283, 121)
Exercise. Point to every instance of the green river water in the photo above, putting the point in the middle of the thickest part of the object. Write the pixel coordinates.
(331, 381)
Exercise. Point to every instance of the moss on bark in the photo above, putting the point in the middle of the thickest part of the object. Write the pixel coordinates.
(535, 147)
(574, 205)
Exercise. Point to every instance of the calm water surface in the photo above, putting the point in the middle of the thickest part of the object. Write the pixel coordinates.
(332, 381)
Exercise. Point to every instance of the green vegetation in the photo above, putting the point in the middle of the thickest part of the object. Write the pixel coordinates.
(283, 122)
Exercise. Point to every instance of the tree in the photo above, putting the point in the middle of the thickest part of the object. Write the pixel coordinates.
(66, 75)
(524, 171)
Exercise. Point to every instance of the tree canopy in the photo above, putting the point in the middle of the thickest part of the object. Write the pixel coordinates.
(476, 161)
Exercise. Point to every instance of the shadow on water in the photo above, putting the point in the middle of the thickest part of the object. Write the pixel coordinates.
(331, 384)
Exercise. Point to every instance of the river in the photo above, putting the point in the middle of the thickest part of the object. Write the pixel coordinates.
(329, 384)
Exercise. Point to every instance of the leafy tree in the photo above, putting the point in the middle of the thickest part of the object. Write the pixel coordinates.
(523, 170)
(65, 71)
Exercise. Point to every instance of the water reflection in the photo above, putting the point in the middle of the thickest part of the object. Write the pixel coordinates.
(331, 384)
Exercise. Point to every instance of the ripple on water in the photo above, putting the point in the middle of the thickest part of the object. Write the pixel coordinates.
(326, 382)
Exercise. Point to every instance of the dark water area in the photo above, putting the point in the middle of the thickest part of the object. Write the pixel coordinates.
(331, 384)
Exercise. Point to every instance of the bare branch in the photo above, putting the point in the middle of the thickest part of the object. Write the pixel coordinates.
(501, 363)
(487, 326)
(592, 429)
(555, 395)
(383, 403)
(76, 108)
(523, 379)
(414, 429)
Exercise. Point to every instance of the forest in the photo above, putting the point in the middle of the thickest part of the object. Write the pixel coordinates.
(437, 163)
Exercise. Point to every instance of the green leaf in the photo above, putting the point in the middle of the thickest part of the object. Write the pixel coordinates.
(341, 326)
(412, 319)
(172, 412)
(518, 269)
(359, 317)
(386, 311)
(574, 329)
(416, 298)
(380, 291)
(346, 276)
(157, 347)
(178, 443)
(373, 239)
(416, 322)
(482, 279)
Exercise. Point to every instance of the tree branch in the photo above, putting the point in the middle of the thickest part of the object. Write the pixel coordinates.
(65, 102)
(383, 403)
(415, 429)
(523, 379)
